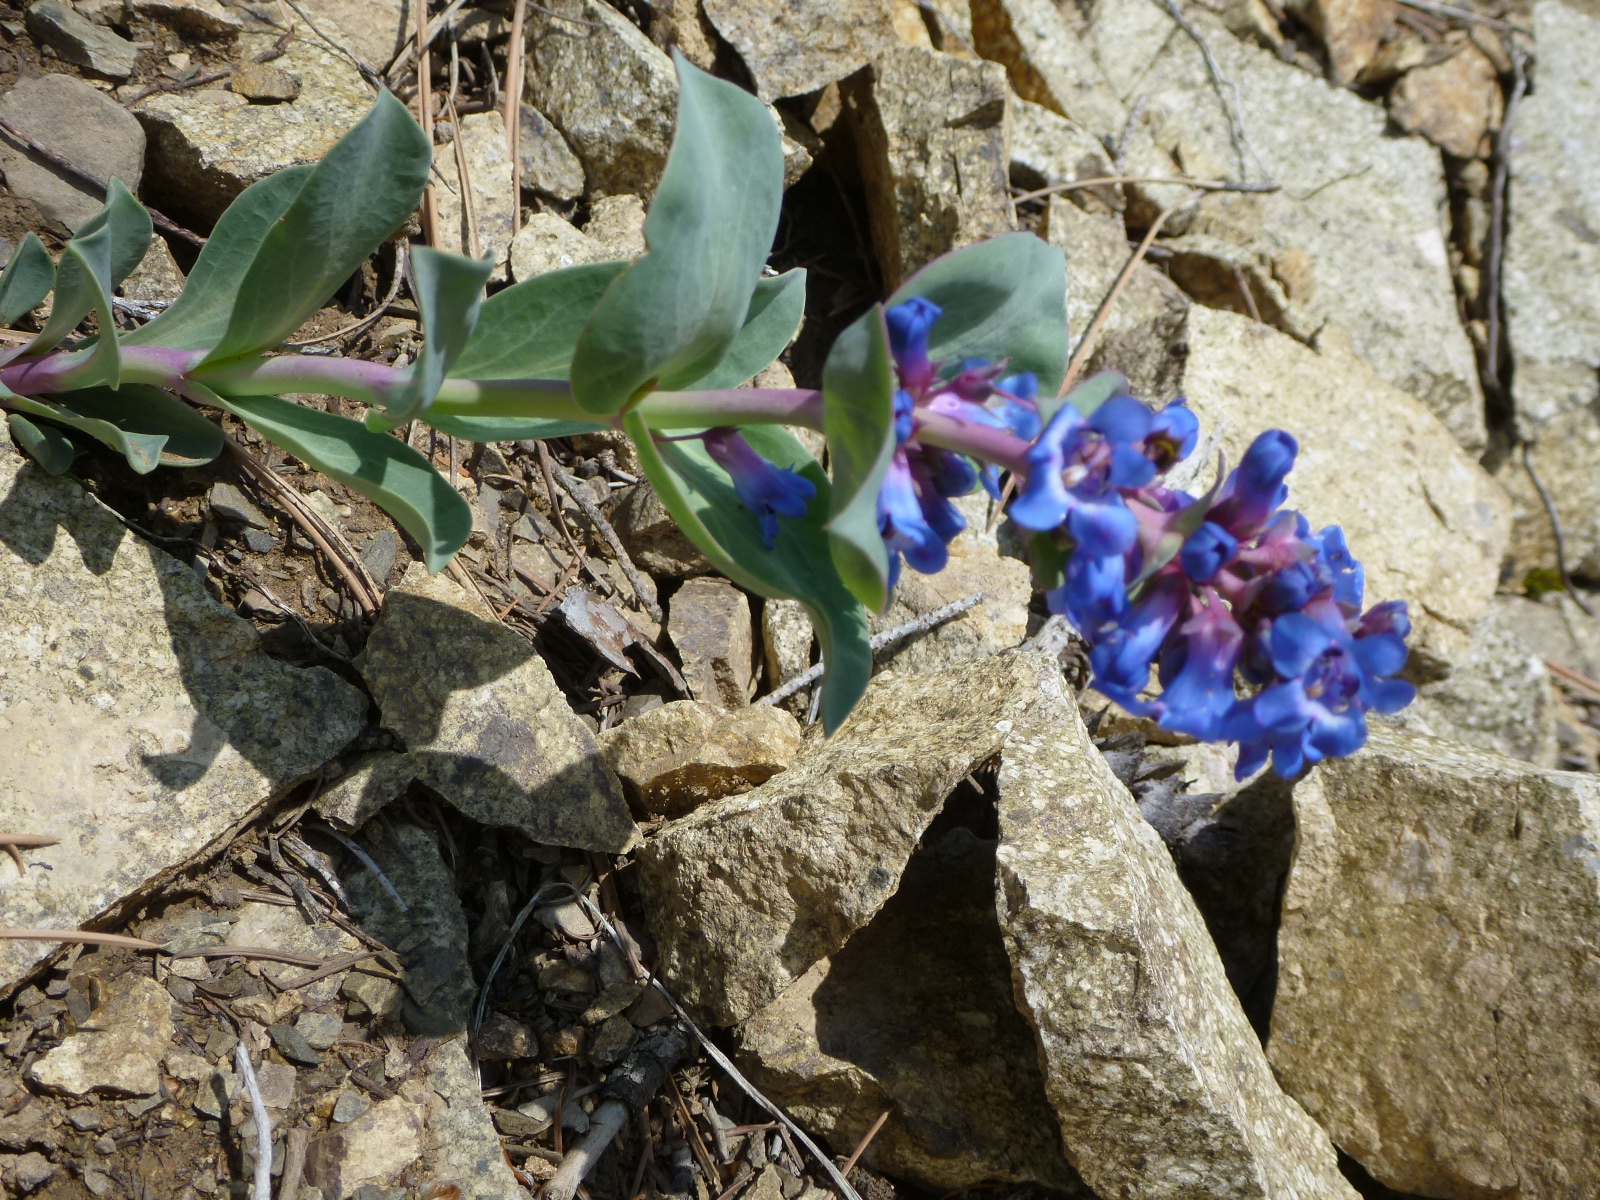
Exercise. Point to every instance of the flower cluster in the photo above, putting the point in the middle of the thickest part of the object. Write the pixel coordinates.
(915, 515)
(1213, 592)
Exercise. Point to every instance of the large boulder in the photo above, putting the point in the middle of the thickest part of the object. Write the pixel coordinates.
(141, 721)
(1552, 287)
(1355, 233)
(792, 47)
(1438, 1007)
(83, 125)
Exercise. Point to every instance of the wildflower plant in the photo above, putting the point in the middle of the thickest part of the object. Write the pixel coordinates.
(1252, 622)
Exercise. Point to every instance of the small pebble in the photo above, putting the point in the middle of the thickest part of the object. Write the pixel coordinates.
(351, 1105)
(567, 919)
(320, 1030)
(258, 540)
(291, 1043)
(85, 1120)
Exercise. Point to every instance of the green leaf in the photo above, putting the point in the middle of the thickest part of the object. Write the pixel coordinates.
(141, 448)
(83, 285)
(1048, 558)
(449, 292)
(1087, 396)
(701, 498)
(1005, 298)
(183, 437)
(673, 314)
(47, 446)
(777, 307)
(28, 278)
(130, 227)
(383, 469)
(360, 193)
(198, 318)
(528, 331)
(858, 417)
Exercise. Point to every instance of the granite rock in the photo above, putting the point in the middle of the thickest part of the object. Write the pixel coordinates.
(484, 723)
(437, 979)
(263, 83)
(549, 166)
(83, 125)
(1349, 30)
(548, 242)
(460, 1145)
(786, 639)
(1158, 1082)
(208, 144)
(747, 893)
(682, 25)
(198, 18)
(374, 30)
(55, 23)
(372, 1149)
(709, 622)
(677, 757)
(1428, 523)
(1436, 1007)
(607, 88)
(998, 623)
(157, 280)
(932, 132)
(1455, 104)
(1095, 245)
(482, 139)
(1552, 286)
(122, 1056)
(915, 1015)
(792, 47)
(652, 538)
(144, 708)
(1355, 236)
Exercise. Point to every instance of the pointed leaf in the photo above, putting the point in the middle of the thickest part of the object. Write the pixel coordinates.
(449, 292)
(28, 278)
(197, 319)
(482, 428)
(1005, 298)
(141, 448)
(701, 498)
(83, 285)
(46, 445)
(672, 315)
(858, 417)
(383, 469)
(360, 193)
(777, 307)
(188, 439)
(130, 227)
(528, 331)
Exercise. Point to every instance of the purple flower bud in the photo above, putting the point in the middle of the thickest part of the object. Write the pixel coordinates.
(1255, 488)
(1206, 551)
(767, 491)
(909, 325)
(951, 474)
(904, 408)
(1291, 589)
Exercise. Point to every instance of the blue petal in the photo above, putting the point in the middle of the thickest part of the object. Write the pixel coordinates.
(1283, 707)
(1252, 757)
(1130, 468)
(1296, 642)
(1338, 735)
(1102, 527)
(1095, 592)
(1380, 653)
(1388, 695)
(1121, 420)
(1288, 758)
(1206, 551)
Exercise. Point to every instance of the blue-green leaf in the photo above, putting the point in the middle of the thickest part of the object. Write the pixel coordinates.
(449, 292)
(28, 278)
(672, 315)
(701, 498)
(142, 449)
(858, 417)
(83, 285)
(383, 469)
(478, 428)
(777, 307)
(181, 436)
(528, 331)
(130, 230)
(360, 193)
(46, 445)
(1005, 298)
(198, 318)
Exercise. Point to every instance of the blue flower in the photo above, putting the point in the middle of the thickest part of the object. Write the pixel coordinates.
(1255, 488)
(1206, 551)
(903, 522)
(1093, 594)
(1349, 577)
(1121, 657)
(909, 325)
(1197, 668)
(767, 491)
(904, 411)
(1172, 437)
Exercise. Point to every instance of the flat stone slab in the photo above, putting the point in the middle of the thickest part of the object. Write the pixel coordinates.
(141, 720)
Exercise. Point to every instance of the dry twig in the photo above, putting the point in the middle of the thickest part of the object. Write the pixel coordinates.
(643, 586)
(1555, 528)
(866, 1140)
(1224, 88)
(77, 935)
(1206, 185)
(262, 1188)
